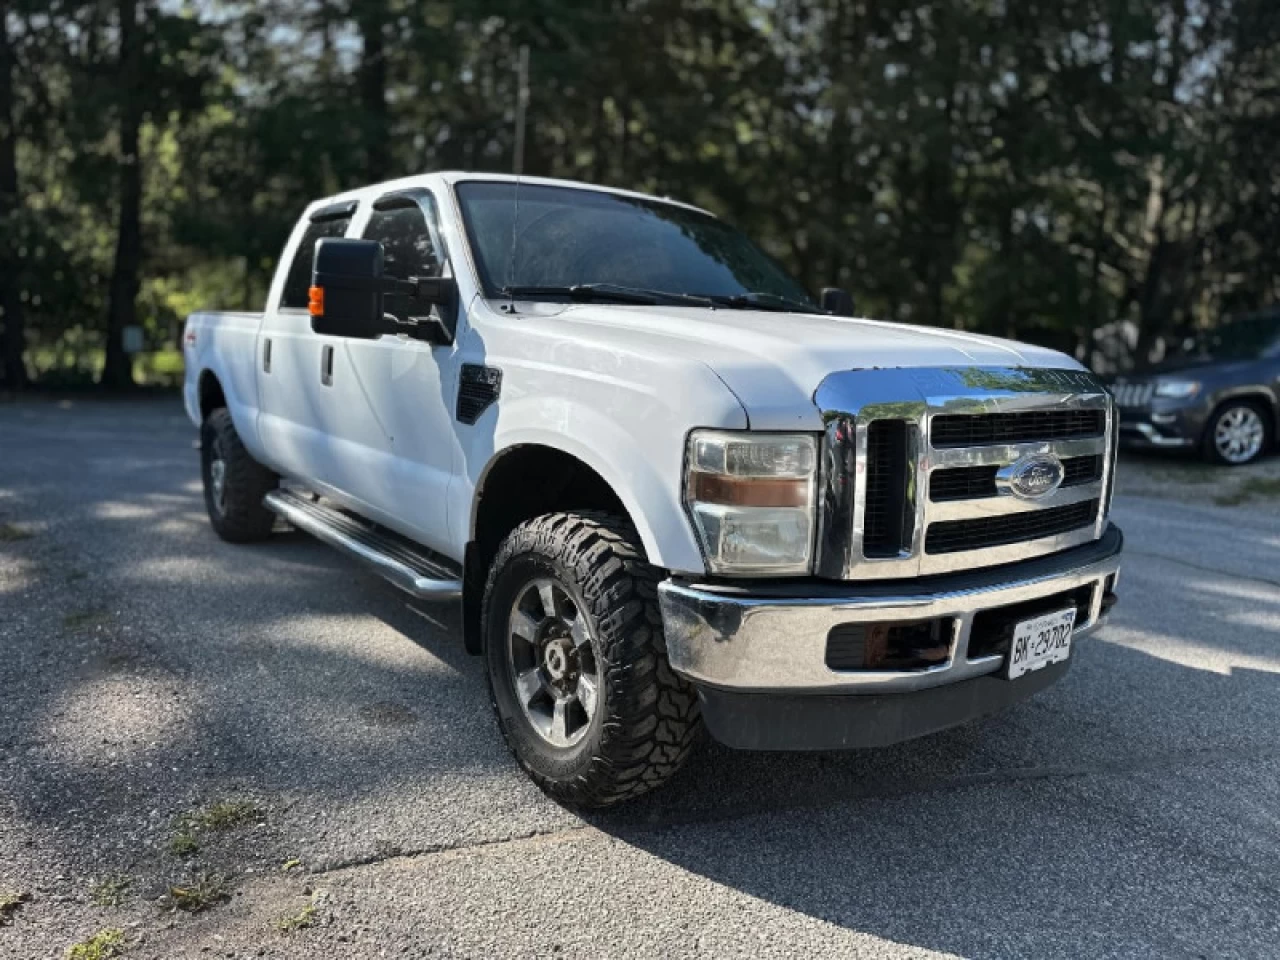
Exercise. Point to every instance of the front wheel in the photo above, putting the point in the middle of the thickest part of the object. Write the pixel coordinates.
(1238, 433)
(578, 673)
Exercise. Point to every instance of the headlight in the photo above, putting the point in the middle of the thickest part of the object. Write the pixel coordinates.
(751, 499)
(1177, 389)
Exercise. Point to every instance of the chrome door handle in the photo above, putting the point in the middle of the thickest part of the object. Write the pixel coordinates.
(326, 366)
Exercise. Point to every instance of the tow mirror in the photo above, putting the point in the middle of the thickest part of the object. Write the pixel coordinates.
(837, 302)
(349, 296)
(347, 289)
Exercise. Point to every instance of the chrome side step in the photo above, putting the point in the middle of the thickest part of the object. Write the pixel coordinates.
(405, 564)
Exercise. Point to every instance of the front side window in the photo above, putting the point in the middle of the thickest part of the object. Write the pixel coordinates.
(409, 247)
(298, 283)
(563, 237)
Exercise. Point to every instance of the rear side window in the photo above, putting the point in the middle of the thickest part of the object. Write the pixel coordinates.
(298, 283)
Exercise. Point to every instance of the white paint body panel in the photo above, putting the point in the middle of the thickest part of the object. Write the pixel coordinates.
(618, 387)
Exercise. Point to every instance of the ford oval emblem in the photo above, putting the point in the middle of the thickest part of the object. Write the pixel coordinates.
(1032, 477)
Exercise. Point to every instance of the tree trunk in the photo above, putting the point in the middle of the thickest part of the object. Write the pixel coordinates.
(13, 372)
(372, 79)
(122, 310)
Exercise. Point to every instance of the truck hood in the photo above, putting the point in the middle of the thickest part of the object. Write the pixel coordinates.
(773, 362)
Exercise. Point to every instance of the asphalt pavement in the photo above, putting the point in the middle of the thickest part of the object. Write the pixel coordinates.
(328, 751)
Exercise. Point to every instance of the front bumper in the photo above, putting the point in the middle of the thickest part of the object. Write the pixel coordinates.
(759, 656)
(1164, 424)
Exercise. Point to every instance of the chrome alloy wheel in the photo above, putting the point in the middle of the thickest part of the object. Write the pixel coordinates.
(218, 477)
(552, 664)
(1238, 434)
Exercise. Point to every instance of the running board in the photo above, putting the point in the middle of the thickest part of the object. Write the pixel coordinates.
(405, 564)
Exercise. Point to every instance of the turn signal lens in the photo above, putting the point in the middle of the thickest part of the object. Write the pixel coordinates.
(751, 499)
(315, 305)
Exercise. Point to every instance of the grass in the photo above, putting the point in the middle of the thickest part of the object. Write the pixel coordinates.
(201, 893)
(111, 892)
(183, 844)
(11, 902)
(101, 946)
(215, 818)
(306, 917)
(83, 619)
(11, 533)
(1254, 488)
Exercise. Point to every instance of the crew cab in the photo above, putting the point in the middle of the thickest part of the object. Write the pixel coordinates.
(670, 489)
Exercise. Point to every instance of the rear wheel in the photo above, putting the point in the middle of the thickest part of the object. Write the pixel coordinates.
(1238, 432)
(234, 483)
(578, 673)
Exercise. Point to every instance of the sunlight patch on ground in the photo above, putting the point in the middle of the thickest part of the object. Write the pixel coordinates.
(1186, 653)
(122, 510)
(1251, 592)
(114, 719)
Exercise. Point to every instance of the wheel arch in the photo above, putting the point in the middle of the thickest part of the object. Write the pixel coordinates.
(520, 482)
(1263, 397)
(209, 393)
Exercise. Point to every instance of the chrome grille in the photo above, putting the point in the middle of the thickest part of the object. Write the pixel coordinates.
(940, 498)
(974, 483)
(952, 536)
(984, 429)
(1133, 394)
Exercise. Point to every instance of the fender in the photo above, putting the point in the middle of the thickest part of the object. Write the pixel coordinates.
(648, 484)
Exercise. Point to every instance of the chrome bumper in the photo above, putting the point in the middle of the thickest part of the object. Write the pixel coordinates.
(1149, 435)
(773, 640)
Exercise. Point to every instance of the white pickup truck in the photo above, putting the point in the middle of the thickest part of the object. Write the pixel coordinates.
(668, 487)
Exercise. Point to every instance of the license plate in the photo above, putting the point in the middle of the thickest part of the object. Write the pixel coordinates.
(1040, 641)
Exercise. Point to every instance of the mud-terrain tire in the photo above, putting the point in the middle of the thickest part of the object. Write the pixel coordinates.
(234, 483)
(590, 569)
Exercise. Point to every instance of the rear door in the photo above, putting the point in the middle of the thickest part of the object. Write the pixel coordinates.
(296, 366)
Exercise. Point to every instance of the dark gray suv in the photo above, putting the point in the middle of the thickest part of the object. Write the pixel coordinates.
(1220, 396)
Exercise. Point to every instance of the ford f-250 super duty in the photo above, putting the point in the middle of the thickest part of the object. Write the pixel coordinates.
(668, 487)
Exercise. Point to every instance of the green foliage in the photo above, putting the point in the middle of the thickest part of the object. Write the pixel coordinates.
(11, 902)
(199, 894)
(1041, 169)
(215, 818)
(103, 945)
(111, 891)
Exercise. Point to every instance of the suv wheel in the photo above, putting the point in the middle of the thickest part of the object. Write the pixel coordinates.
(578, 673)
(234, 483)
(1238, 433)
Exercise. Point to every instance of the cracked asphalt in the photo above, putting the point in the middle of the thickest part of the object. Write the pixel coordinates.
(150, 672)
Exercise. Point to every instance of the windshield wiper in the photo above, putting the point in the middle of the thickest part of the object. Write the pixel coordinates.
(586, 292)
(762, 301)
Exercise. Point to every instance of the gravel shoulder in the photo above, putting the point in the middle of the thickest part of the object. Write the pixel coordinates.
(271, 735)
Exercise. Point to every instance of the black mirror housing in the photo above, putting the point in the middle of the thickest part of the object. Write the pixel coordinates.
(347, 289)
(348, 294)
(837, 302)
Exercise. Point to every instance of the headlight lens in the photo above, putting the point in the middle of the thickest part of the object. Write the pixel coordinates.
(1177, 389)
(751, 499)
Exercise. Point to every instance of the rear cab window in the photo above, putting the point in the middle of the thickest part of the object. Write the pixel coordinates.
(327, 221)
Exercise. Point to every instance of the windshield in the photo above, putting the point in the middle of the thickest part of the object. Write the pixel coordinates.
(1248, 338)
(573, 239)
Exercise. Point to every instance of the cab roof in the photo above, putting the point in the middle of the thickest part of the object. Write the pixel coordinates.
(451, 177)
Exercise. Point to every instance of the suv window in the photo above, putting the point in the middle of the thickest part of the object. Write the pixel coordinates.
(409, 246)
(298, 283)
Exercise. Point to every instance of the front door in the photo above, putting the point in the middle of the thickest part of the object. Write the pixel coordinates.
(407, 385)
